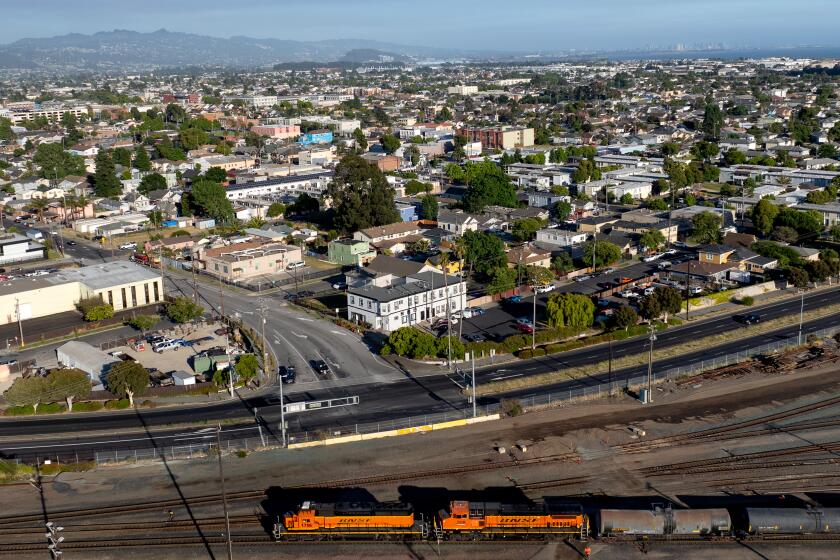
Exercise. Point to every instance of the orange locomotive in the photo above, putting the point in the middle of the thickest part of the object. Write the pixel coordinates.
(361, 519)
(493, 519)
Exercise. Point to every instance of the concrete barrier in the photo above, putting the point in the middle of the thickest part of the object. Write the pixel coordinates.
(398, 432)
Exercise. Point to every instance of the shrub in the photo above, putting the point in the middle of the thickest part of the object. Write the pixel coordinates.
(51, 408)
(747, 300)
(19, 410)
(120, 404)
(91, 406)
(241, 453)
(511, 407)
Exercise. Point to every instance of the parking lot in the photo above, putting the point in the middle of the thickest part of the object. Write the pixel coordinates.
(178, 359)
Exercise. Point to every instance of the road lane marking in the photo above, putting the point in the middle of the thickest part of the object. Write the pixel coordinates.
(506, 377)
(305, 319)
(300, 335)
(339, 333)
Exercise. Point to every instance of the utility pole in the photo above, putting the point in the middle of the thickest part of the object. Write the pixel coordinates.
(801, 311)
(650, 364)
(475, 412)
(609, 369)
(534, 320)
(224, 494)
(20, 322)
(594, 247)
(445, 263)
(221, 298)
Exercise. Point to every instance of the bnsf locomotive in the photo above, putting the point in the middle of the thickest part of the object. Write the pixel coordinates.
(494, 520)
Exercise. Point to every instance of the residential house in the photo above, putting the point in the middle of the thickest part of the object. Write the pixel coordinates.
(349, 252)
(528, 255)
(243, 261)
(457, 222)
(392, 237)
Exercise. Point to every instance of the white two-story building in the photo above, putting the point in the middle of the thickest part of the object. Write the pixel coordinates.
(407, 301)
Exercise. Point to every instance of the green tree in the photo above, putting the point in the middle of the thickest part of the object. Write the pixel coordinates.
(192, 138)
(152, 182)
(712, 119)
(127, 380)
(209, 199)
(141, 160)
(361, 141)
(6, 134)
(625, 317)
(605, 253)
(484, 252)
(502, 279)
(538, 275)
(705, 227)
(562, 263)
(785, 234)
(69, 384)
(122, 156)
(247, 367)
(99, 312)
(798, 277)
(27, 391)
(455, 172)
(429, 207)
(144, 323)
(804, 222)
(175, 113)
(303, 205)
(488, 185)
(105, 182)
(276, 209)
(561, 210)
(652, 239)
(656, 204)
(55, 163)
(570, 310)
(390, 143)
(526, 228)
(216, 174)
(835, 233)
(411, 342)
(764, 215)
(183, 310)
(670, 300)
(626, 199)
(650, 307)
(361, 196)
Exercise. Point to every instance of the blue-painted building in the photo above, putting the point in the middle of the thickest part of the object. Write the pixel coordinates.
(408, 212)
(316, 137)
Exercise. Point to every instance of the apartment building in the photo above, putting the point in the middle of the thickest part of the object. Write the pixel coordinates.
(313, 184)
(242, 261)
(503, 138)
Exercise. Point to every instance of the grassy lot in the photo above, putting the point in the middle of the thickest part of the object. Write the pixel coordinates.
(642, 357)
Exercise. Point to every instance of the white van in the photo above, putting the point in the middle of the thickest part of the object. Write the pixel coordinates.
(295, 265)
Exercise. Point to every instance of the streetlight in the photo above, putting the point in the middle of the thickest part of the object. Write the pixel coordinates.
(801, 310)
(534, 321)
(650, 364)
(224, 494)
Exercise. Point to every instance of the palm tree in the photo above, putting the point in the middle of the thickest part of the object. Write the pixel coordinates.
(38, 204)
(156, 218)
(81, 202)
(255, 223)
(69, 201)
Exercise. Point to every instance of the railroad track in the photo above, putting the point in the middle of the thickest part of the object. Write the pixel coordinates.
(256, 494)
(713, 433)
(758, 458)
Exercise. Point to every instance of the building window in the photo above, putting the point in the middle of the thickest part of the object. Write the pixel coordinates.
(133, 296)
(155, 286)
(110, 298)
(124, 300)
(352, 300)
(146, 292)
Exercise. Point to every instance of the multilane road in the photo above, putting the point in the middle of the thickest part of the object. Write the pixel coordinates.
(384, 395)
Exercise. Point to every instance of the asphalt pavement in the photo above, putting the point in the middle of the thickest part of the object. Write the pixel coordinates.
(401, 396)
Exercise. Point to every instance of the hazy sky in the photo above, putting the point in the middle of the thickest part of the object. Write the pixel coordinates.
(502, 24)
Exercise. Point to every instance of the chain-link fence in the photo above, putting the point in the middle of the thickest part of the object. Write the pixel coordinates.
(271, 434)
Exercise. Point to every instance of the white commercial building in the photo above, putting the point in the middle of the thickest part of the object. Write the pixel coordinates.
(408, 301)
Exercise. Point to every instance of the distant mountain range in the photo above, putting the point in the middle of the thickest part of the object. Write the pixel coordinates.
(127, 50)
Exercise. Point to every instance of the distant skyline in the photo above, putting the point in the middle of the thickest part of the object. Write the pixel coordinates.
(538, 25)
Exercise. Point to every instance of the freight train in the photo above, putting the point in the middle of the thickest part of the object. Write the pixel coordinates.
(494, 520)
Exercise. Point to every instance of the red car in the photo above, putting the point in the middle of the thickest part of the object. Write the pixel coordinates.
(525, 328)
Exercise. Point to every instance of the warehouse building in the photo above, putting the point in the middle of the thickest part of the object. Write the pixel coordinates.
(124, 285)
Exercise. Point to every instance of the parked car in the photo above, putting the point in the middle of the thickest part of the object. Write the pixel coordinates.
(583, 278)
(320, 367)
(545, 288)
(471, 312)
(474, 337)
(527, 329)
(603, 303)
(623, 280)
(695, 290)
(130, 245)
(649, 290)
(664, 264)
(670, 252)
(70, 242)
(339, 286)
(37, 273)
(747, 319)
(162, 347)
(609, 270)
(523, 321)
(653, 257)
(295, 265)
(441, 322)
(628, 294)
(513, 299)
(287, 374)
